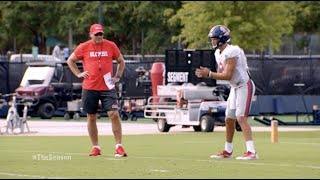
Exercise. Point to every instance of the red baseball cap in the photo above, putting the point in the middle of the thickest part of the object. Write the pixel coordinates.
(96, 28)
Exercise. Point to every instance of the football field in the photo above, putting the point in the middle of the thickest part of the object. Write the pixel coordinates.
(163, 155)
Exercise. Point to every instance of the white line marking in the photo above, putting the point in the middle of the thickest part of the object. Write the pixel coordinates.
(159, 170)
(32, 176)
(208, 142)
(197, 142)
(116, 159)
(316, 144)
(237, 162)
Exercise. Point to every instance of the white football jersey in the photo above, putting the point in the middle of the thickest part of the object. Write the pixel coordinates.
(240, 75)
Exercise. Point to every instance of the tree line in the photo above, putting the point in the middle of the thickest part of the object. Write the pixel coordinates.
(151, 27)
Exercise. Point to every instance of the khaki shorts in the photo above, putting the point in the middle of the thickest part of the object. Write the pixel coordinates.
(240, 100)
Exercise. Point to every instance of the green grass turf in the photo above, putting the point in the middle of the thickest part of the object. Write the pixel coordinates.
(183, 155)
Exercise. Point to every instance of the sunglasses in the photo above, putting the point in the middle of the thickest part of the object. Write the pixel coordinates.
(98, 34)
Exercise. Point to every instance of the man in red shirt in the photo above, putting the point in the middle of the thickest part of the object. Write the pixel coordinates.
(97, 55)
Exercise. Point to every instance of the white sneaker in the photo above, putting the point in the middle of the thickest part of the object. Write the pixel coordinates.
(248, 156)
(223, 154)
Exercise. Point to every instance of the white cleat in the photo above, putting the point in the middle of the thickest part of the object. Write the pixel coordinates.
(248, 156)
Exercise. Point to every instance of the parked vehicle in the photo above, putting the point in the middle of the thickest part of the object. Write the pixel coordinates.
(32, 58)
(51, 85)
(201, 107)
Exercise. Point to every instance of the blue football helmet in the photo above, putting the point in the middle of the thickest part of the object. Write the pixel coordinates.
(220, 32)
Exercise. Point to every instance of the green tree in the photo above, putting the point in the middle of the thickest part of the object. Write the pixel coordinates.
(136, 26)
(308, 15)
(28, 21)
(76, 16)
(253, 25)
(151, 27)
(139, 26)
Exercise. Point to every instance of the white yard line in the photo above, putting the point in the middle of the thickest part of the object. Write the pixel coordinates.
(312, 144)
(29, 176)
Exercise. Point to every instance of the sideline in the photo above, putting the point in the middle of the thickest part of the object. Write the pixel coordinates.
(71, 128)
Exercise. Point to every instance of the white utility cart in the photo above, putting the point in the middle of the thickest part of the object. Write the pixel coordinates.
(188, 105)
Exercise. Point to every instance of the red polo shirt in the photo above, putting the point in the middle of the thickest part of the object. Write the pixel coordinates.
(97, 60)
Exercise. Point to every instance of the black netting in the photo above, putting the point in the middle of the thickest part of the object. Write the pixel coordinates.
(271, 76)
(285, 77)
